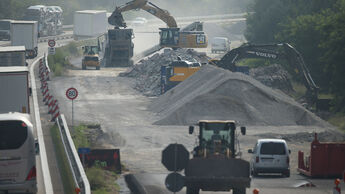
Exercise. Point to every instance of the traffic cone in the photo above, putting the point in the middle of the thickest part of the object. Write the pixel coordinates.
(336, 189)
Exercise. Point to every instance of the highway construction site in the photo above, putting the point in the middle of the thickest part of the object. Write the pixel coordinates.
(135, 118)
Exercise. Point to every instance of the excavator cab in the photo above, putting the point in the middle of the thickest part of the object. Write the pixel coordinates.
(174, 38)
(169, 37)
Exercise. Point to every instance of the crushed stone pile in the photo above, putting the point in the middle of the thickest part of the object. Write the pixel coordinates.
(274, 76)
(215, 93)
(326, 136)
(147, 71)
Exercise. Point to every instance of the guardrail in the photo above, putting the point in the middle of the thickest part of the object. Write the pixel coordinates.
(80, 180)
(57, 37)
(79, 176)
(48, 188)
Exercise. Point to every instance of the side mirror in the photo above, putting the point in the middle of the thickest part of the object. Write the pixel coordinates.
(191, 129)
(83, 47)
(289, 151)
(250, 151)
(37, 147)
(243, 130)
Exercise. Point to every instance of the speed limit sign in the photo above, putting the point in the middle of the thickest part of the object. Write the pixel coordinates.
(51, 42)
(72, 93)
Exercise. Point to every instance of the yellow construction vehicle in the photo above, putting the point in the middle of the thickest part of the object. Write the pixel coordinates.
(173, 37)
(176, 72)
(91, 57)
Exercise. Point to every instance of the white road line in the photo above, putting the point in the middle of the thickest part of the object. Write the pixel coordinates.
(44, 162)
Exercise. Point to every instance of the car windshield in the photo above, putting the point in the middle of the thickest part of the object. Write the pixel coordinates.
(273, 148)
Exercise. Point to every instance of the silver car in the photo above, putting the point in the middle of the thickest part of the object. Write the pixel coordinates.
(270, 156)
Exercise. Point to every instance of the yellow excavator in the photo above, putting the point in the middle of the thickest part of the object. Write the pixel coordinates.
(172, 36)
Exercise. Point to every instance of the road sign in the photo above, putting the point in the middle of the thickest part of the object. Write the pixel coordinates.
(84, 150)
(51, 50)
(175, 157)
(72, 93)
(51, 43)
(174, 182)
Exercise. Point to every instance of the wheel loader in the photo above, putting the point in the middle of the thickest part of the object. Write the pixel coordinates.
(215, 165)
(90, 57)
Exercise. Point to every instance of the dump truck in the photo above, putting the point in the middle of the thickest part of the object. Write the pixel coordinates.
(91, 57)
(215, 165)
(5, 29)
(15, 91)
(119, 48)
(12, 56)
(24, 33)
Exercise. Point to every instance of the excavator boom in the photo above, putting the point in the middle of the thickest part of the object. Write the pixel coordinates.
(275, 52)
(117, 20)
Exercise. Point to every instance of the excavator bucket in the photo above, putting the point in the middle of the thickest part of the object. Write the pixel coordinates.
(217, 174)
(116, 19)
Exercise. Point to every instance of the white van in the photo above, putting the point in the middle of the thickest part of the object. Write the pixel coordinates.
(17, 154)
(220, 44)
(270, 156)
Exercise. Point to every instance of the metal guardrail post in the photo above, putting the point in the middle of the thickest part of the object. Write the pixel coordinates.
(77, 168)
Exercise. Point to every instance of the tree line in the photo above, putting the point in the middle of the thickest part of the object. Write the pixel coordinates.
(316, 28)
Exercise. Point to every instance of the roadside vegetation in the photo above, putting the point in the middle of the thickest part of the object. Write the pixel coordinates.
(64, 167)
(59, 61)
(101, 181)
(316, 29)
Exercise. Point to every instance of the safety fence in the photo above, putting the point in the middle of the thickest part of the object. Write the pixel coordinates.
(80, 180)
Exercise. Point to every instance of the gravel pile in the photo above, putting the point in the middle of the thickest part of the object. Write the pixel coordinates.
(326, 136)
(215, 93)
(147, 70)
(274, 76)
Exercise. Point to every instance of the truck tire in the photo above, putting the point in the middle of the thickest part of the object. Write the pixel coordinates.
(83, 66)
(239, 190)
(287, 173)
(98, 67)
(192, 190)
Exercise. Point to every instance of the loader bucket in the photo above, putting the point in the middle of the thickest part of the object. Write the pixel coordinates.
(217, 174)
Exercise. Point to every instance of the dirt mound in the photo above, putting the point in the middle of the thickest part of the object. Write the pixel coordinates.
(274, 76)
(215, 93)
(147, 71)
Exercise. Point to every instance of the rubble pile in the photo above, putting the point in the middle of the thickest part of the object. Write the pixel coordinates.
(147, 71)
(216, 93)
(274, 76)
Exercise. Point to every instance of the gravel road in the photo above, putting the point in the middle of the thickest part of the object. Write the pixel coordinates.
(123, 114)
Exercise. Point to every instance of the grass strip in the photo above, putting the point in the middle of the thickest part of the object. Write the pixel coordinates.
(63, 164)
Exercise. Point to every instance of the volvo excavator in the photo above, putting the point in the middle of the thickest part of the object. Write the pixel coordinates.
(282, 51)
(172, 36)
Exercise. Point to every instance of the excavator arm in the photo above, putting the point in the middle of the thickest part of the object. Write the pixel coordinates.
(117, 20)
(273, 52)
